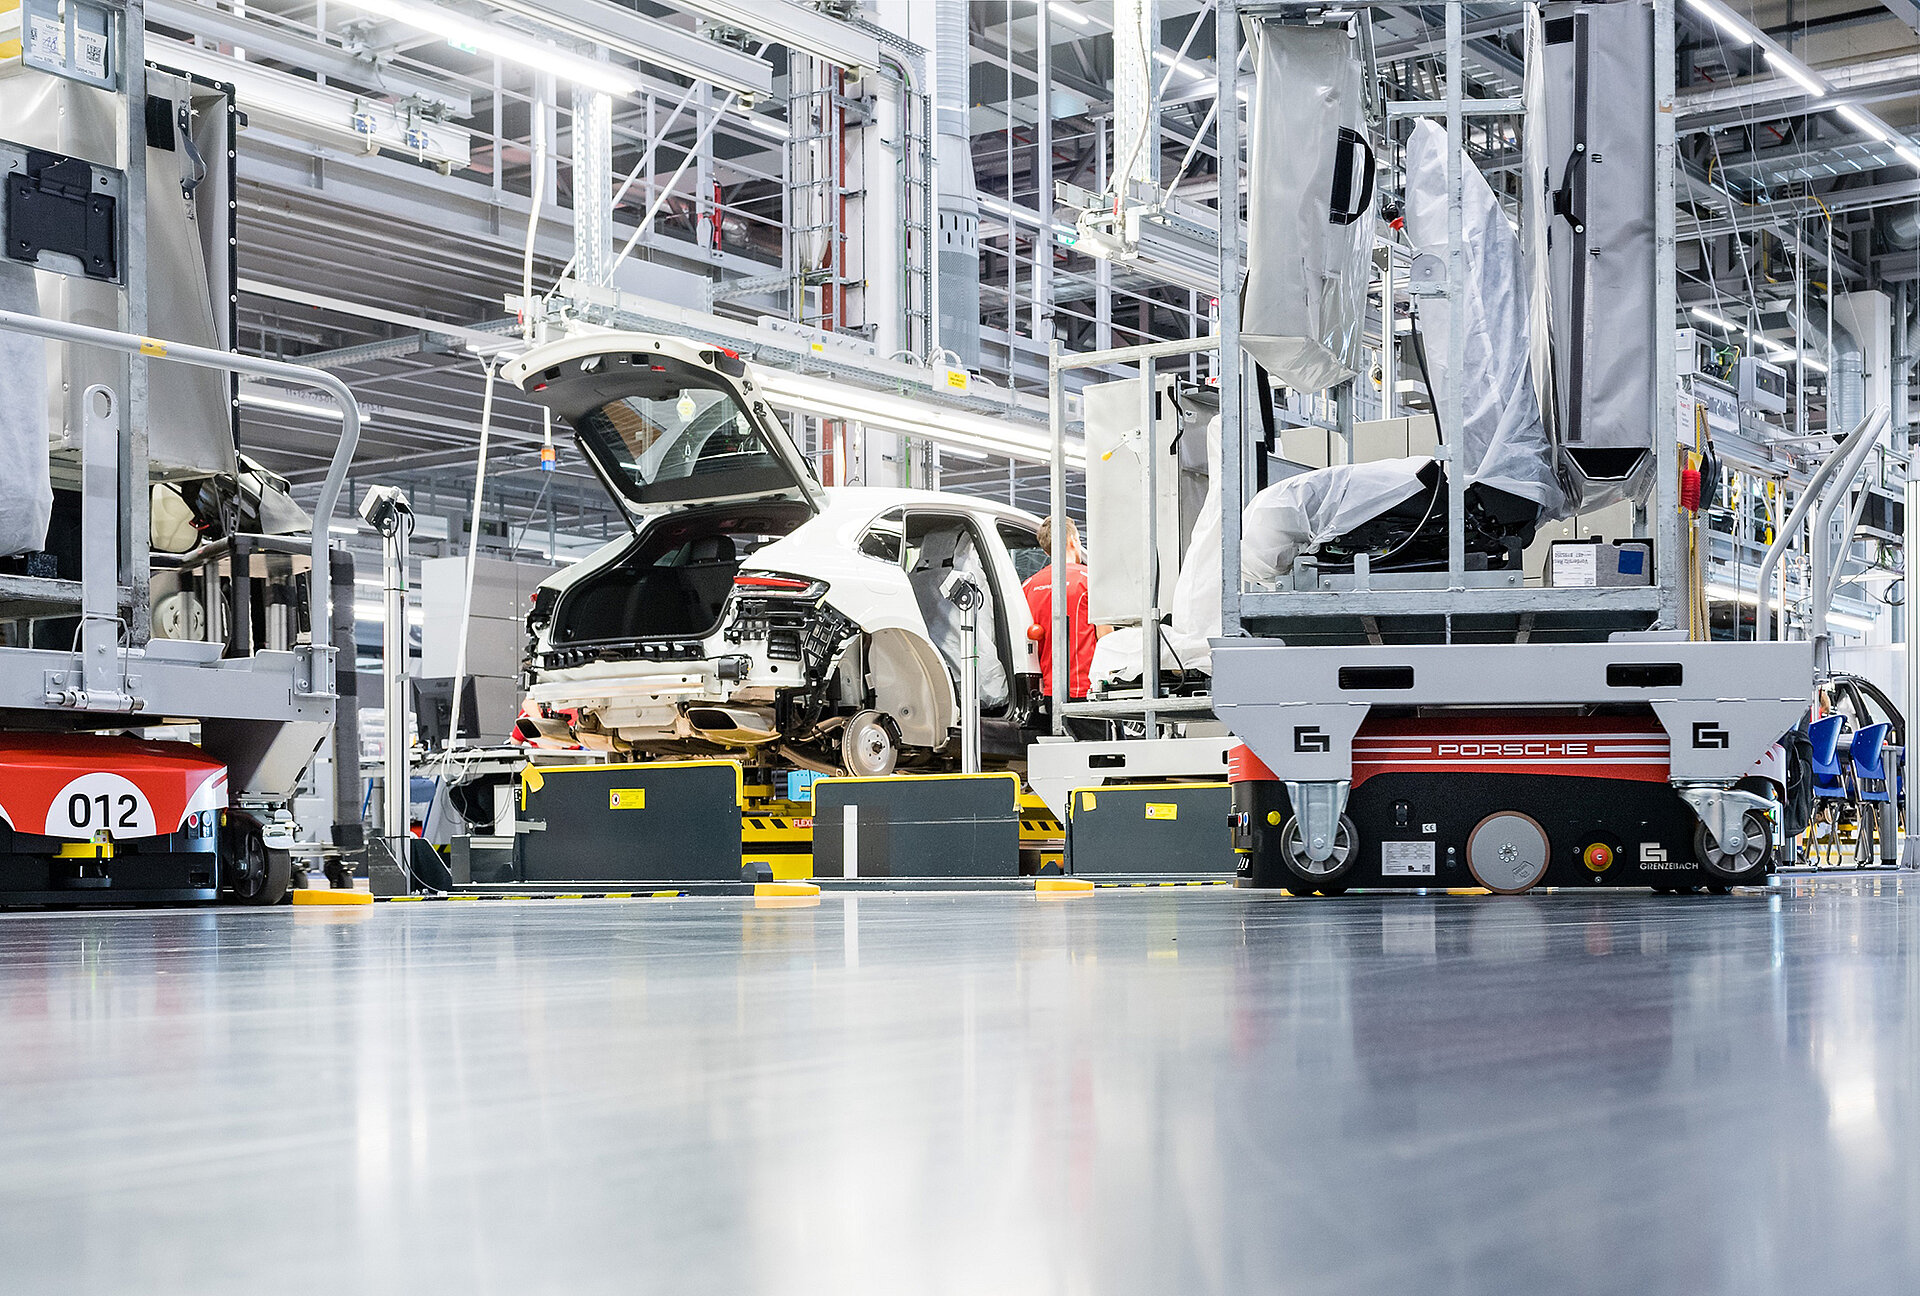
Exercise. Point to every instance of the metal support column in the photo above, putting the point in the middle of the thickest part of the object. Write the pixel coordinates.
(1057, 485)
(592, 184)
(1669, 554)
(1233, 447)
(1452, 404)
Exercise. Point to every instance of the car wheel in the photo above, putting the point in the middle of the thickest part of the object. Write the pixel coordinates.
(868, 748)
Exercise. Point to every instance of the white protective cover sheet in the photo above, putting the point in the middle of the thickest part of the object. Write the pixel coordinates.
(1195, 609)
(1292, 516)
(1502, 438)
(26, 485)
(1309, 207)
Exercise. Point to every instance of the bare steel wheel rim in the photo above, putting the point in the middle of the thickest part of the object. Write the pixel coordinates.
(1293, 848)
(1752, 857)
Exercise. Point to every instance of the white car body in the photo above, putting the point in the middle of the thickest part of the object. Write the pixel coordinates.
(820, 641)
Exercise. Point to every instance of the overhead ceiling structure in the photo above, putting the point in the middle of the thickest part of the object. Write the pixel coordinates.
(394, 149)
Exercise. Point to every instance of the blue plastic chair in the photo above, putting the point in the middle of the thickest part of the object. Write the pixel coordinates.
(1869, 756)
(1830, 776)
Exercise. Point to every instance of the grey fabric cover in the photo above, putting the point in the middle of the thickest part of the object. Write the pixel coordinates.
(26, 486)
(1307, 267)
(942, 551)
(1601, 248)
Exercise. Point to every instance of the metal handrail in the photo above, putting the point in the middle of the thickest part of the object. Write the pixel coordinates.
(1865, 430)
(1819, 583)
(319, 582)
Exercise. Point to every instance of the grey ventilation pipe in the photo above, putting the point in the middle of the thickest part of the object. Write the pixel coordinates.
(1847, 384)
(959, 207)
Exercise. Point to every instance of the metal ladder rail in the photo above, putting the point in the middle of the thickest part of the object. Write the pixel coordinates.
(319, 581)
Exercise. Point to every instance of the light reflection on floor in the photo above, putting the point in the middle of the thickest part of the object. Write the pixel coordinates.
(1154, 1091)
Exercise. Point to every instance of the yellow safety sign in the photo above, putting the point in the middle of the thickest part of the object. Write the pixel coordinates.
(626, 798)
(1162, 810)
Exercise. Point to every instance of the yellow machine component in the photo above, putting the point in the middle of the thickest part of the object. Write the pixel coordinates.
(87, 850)
(778, 834)
(1043, 840)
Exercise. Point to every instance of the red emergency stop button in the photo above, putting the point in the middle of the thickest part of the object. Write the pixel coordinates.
(1598, 857)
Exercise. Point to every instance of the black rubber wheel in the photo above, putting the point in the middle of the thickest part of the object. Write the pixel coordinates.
(1748, 868)
(1316, 877)
(260, 876)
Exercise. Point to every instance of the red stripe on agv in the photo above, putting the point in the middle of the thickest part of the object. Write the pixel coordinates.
(1608, 747)
(1572, 747)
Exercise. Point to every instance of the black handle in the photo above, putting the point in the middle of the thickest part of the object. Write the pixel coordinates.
(1345, 209)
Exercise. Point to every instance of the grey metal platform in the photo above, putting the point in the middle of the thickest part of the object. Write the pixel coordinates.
(1183, 1090)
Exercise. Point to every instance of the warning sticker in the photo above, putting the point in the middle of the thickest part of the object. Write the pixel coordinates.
(626, 798)
(1087, 801)
(1162, 810)
(1406, 859)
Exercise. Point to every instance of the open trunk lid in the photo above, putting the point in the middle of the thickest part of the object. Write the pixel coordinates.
(667, 424)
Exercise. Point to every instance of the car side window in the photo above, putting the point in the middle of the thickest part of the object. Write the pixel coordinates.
(1024, 546)
(885, 537)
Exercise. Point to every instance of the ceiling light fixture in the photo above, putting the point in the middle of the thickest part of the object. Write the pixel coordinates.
(1068, 12)
(1797, 72)
(1725, 19)
(504, 43)
(1866, 123)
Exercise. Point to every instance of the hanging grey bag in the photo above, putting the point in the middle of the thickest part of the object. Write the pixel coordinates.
(26, 486)
(1309, 207)
(1596, 130)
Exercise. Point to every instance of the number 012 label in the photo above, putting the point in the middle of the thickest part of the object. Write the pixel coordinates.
(100, 802)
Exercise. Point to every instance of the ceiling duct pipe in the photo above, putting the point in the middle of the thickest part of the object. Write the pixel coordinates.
(1846, 383)
(959, 205)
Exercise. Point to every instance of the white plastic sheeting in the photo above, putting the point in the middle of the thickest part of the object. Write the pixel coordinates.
(1291, 516)
(26, 486)
(1309, 207)
(1195, 608)
(1502, 438)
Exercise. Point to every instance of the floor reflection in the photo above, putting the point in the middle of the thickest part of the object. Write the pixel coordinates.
(1196, 1090)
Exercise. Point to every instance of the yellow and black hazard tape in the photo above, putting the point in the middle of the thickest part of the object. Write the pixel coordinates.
(1172, 882)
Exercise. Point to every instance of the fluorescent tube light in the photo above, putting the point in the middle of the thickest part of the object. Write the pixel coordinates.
(504, 43)
(1068, 12)
(1716, 320)
(1797, 72)
(1865, 122)
(1728, 594)
(1908, 154)
(1730, 24)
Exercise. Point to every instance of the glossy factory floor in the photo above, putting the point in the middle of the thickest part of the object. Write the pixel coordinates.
(1160, 1092)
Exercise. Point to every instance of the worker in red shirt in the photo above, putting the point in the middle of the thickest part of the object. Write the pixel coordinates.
(1081, 632)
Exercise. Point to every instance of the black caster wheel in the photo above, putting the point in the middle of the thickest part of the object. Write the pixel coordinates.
(1322, 876)
(1749, 867)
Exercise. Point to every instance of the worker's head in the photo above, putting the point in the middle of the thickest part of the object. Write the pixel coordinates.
(1075, 554)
